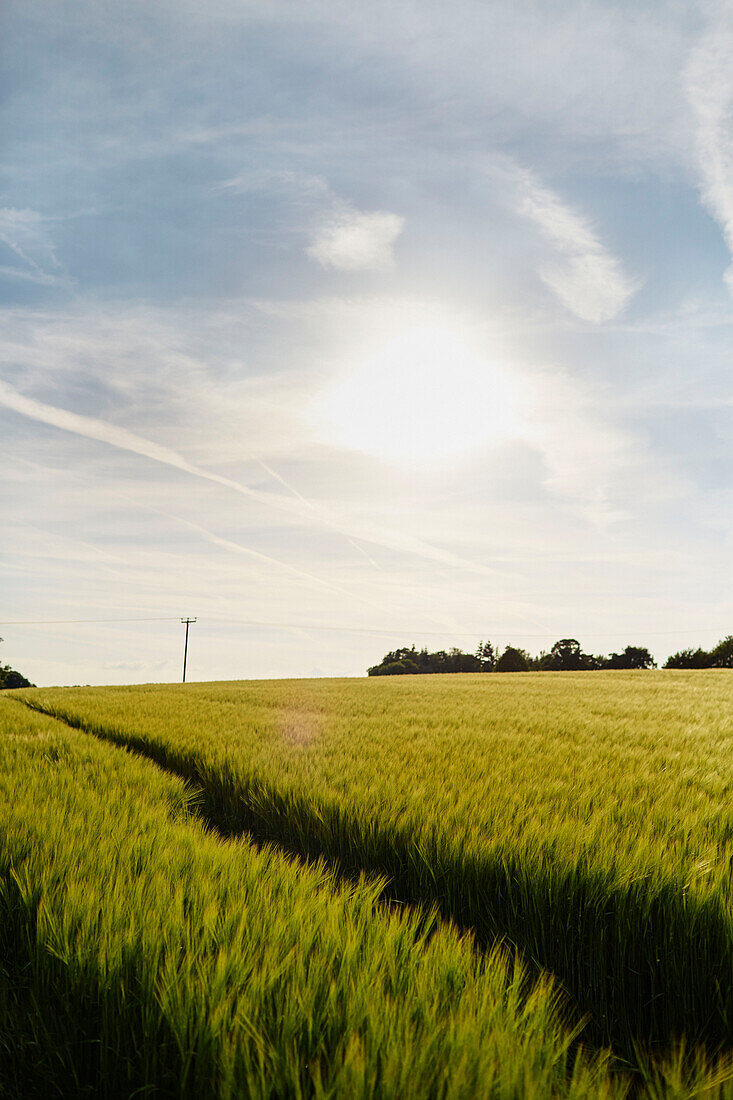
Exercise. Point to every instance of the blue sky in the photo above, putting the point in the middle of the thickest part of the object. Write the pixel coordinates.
(408, 318)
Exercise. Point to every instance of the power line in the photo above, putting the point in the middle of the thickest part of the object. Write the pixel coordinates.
(448, 632)
(61, 622)
(353, 629)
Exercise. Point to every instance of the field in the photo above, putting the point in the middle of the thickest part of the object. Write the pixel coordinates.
(458, 886)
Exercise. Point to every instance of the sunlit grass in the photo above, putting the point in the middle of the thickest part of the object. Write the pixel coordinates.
(140, 952)
(583, 818)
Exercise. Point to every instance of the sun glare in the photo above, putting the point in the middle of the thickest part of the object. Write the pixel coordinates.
(424, 396)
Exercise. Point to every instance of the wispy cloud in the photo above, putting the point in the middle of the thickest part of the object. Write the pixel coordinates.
(104, 432)
(307, 187)
(709, 87)
(341, 236)
(585, 276)
(355, 240)
(265, 559)
(33, 275)
(58, 345)
(25, 234)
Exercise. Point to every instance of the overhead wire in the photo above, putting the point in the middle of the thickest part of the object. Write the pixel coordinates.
(343, 629)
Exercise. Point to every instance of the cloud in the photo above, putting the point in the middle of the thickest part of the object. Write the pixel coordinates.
(266, 559)
(48, 347)
(31, 275)
(587, 279)
(709, 87)
(25, 233)
(355, 240)
(341, 236)
(101, 430)
(294, 185)
(90, 427)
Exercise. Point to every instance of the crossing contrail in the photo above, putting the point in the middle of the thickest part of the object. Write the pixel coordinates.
(91, 427)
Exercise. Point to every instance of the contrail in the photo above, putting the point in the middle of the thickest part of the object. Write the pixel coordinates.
(91, 427)
(104, 432)
(238, 548)
(309, 504)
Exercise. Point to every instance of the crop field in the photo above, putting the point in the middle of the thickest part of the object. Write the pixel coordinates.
(439, 886)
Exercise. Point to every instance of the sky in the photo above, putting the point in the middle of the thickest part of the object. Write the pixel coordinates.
(346, 326)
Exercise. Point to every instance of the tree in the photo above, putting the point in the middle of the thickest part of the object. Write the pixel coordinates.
(512, 660)
(458, 661)
(487, 656)
(9, 678)
(632, 657)
(394, 668)
(689, 658)
(409, 660)
(565, 656)
(722, 655)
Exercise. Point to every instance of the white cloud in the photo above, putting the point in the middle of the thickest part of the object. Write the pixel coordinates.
(341, 236)
(585, 276)
(709, 88)
(356, 240)
(25, 233)
(586, 458)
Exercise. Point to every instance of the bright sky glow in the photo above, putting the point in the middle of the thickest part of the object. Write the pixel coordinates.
(409, 317)
(422, 398)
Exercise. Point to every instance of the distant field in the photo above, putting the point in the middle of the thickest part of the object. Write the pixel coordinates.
(582, 819)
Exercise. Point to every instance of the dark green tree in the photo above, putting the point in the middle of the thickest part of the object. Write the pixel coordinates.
(632, 657)
(487, 656)
(565, 656)
(512, 660)
(689, 658)
(394, 668)
(458, 661)
(410, 660)
(722, 655)
(9, 678)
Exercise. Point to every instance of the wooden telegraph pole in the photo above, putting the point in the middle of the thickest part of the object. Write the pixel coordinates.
(187, 623)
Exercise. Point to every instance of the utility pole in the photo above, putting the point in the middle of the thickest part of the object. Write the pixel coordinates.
(187, 623)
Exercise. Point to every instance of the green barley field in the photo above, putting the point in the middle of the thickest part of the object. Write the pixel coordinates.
(438, 886)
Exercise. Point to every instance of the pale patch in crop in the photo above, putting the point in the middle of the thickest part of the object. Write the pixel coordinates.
(299, 727)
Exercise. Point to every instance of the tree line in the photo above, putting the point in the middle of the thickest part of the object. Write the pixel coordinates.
(566, 655)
